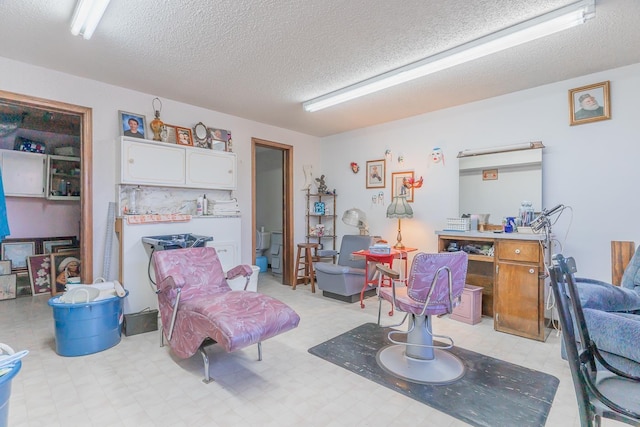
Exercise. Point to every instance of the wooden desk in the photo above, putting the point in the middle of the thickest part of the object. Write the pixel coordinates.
(375, 258)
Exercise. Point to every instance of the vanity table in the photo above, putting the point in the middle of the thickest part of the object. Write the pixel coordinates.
(512, 280)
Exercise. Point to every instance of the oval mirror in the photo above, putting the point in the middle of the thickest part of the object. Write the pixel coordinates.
(200, 131)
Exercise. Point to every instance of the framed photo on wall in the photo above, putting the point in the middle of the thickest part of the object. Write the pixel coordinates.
(376, 174)
(399, 187)
(132, 124)
(49, 245)
(589, 104)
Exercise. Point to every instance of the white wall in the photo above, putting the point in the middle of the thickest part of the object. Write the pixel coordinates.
(105, 101)
(592, 167)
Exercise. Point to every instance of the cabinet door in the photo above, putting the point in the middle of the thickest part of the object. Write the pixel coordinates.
(227, 253)
(23, 173)
(518, 300)
(145, 163)
(211, 169)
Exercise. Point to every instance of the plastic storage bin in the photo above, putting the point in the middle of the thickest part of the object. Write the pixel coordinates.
(5, 393)
(86, 328)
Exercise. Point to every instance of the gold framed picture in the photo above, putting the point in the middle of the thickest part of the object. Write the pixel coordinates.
(376, 174)
(589, 104)
(399, 185)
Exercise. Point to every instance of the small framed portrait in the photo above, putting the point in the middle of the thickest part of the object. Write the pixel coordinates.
(184, 136)
(318, 208)
(489, 174)
(17, 253)
(168, 134)
(400, 185)
(589, 104)
(5, 266)
(219, 138)
(40, 274)
(8, 286)
(63, 266)
(376, 176)
(132, 124)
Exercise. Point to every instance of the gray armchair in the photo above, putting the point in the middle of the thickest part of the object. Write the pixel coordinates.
(612, 314)
(344, 280)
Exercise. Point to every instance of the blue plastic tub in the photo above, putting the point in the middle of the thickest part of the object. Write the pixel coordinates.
(87, 328)
(261, 261)
(5, 393)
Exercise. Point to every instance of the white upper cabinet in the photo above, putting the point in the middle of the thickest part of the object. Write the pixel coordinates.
(23, 173)
(153, 163)
(211, 169)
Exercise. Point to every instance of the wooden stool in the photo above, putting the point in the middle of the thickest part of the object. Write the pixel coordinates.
(304, 264)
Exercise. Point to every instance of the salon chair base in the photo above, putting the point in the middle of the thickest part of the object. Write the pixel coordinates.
(444, 368)
(348, 298)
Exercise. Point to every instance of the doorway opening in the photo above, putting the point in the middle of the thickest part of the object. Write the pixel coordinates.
(272, 196)
(63, 117)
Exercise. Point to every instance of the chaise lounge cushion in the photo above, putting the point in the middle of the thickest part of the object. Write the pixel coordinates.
(603, 296)
(631, 276)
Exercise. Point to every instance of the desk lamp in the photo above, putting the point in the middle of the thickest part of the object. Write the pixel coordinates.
(399, 208)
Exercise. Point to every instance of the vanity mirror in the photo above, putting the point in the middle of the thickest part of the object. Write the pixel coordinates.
(201, 136)
(497, 181)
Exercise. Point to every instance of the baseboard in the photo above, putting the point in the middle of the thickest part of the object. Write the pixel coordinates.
(348, 298)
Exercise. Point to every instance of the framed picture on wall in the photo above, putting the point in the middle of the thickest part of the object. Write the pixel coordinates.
(589, 104)
(399, 185)
(376, 176)
(132, 124)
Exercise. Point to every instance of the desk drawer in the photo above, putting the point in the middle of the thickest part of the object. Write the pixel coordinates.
(519, 251)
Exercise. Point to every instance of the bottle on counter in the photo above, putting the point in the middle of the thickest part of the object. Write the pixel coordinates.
(199, 204)
(205, 205)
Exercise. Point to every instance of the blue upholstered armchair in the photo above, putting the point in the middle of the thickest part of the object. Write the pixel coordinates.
(612, 314)
(345, 279)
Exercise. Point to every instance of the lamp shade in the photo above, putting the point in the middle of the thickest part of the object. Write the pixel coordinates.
(399, 208)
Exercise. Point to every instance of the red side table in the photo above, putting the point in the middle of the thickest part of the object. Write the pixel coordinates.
(376, 258)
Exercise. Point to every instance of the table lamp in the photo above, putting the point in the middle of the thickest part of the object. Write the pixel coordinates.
(399, 208)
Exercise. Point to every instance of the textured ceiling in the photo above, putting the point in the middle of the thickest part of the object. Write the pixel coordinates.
(261, 59)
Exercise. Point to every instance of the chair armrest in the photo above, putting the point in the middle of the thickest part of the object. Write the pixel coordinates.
(386, 271)
(243, 270)
(175, 281)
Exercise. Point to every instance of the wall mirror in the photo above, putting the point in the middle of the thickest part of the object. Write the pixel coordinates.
(495, 183)
(201, 135)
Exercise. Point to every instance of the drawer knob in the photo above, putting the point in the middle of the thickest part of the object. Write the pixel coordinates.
(517, 251)
(130, 160)
(531, 271)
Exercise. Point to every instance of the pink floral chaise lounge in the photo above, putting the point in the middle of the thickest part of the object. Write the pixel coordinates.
(198, 308)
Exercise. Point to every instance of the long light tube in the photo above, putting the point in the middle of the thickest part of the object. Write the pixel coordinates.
(501, 149)
(86, 17)
(541, 26)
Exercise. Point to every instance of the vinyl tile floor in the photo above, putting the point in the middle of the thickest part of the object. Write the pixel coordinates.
(138, 383)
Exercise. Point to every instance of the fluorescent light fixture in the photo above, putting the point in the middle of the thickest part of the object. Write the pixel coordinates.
(502, 149)
(87, 16)
(558, 20)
